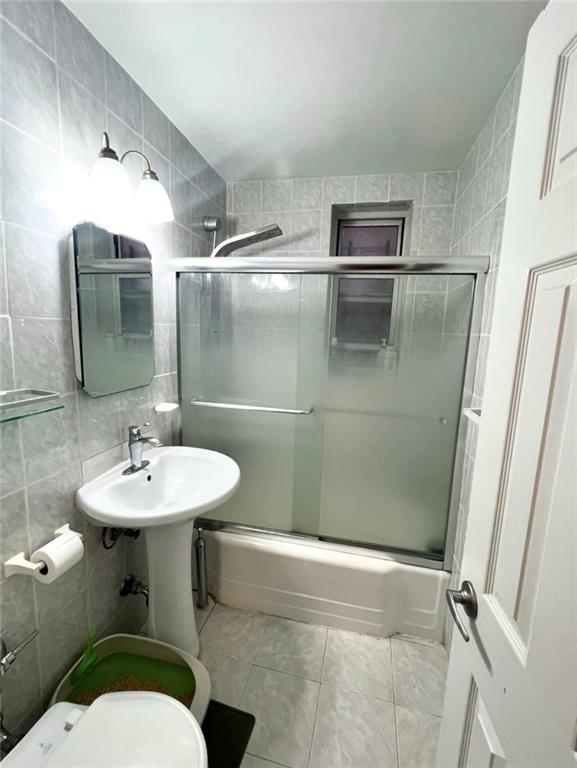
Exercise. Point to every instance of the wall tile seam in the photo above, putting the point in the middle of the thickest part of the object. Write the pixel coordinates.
(204, 194)
(22, 34)
(59, 71)
(105, 85)
(54, 40)
(325, 203)
(343, 176)
(21, 451)
(47, 318)
(286, 212)
(43, 692)
(61, 471)
(4, 272)
(489, 156)
(41, 143)
(190, 144)
(355, 188)
(11, 342)
(128, 127)
(141, 106)
(106, 53)
(479, 221)
(58, 96)
(454, 216)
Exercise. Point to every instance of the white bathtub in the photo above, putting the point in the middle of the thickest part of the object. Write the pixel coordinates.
(326, 584)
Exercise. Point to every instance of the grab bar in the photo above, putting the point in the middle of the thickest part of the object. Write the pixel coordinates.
(260, 408)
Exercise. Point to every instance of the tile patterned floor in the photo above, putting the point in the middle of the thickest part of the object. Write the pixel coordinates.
(324, 698)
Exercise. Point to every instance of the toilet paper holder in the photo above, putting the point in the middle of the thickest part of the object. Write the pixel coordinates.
(20, 564)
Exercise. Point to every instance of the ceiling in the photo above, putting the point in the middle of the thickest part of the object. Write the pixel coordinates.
(277, 89)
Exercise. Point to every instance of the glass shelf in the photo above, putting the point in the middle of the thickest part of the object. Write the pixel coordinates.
(18, 404)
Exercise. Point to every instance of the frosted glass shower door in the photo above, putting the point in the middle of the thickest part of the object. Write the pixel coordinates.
(258, 340)
(395, 376)
(379, 360)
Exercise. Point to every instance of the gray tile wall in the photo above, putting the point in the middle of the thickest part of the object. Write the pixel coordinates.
(61, 89)
(302, 208)
(478, 229)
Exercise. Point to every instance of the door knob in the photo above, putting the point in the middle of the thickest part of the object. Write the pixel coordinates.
(468, 599)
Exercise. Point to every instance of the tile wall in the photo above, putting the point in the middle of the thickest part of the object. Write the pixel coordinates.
(302, 208)
(61, 89)
(478, 229)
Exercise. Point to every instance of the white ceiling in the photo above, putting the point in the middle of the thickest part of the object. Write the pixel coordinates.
(312, 89)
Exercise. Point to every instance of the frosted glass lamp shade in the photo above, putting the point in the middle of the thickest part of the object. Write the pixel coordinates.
(152, 201)
(111, 195)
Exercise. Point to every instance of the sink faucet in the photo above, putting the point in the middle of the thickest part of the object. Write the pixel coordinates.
(136, 441)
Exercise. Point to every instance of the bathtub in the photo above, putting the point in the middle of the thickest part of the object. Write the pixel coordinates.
(328, 584)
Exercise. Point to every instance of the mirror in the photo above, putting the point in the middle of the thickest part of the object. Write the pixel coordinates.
(112, 313)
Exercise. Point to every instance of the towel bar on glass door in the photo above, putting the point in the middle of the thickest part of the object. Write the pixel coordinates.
(261, 408)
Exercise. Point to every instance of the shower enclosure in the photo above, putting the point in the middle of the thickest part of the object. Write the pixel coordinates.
(336, 384)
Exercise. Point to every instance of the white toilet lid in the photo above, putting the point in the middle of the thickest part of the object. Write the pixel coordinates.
(133, 729)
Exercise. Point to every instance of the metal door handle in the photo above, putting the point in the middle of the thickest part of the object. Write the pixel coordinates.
(468, 599)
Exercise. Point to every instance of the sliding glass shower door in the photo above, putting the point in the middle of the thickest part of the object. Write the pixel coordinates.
(365, 375)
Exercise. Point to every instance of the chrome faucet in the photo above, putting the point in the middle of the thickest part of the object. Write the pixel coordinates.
(136, 441)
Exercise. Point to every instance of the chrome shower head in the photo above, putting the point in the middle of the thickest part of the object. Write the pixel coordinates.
(249, 238)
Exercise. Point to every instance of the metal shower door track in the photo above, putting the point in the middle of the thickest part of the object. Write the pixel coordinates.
(469, 265)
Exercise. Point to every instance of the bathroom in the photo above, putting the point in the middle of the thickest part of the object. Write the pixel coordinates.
(287, 373)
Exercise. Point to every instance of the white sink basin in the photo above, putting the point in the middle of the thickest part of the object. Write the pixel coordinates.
(179, 484)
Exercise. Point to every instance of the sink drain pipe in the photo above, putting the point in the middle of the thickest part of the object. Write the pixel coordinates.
(201, 581)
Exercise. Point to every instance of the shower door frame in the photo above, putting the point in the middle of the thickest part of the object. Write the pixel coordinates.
(474, 266)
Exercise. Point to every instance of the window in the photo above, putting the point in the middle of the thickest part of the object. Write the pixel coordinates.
(370, 237)
(371, 229)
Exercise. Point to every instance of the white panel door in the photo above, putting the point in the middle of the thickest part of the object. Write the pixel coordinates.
(512, 689)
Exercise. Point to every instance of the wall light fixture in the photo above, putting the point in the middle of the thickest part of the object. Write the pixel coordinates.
(112, 200)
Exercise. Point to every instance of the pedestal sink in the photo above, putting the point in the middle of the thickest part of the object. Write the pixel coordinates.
(179, 484)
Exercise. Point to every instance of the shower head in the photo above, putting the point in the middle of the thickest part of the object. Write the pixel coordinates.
(249, 238)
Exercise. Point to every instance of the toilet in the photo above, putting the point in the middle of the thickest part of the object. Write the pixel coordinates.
(148, 730)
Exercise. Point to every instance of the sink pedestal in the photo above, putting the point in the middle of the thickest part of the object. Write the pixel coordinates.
(179, 484)
(171, 606)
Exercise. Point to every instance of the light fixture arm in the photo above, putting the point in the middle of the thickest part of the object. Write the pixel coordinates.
(148, 173)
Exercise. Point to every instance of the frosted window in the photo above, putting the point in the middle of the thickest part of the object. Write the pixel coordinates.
(356, 239)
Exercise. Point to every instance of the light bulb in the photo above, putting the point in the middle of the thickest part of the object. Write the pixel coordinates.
(152, 201)
(111, 196)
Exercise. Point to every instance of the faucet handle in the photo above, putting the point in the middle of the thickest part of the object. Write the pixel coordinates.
(136, 431)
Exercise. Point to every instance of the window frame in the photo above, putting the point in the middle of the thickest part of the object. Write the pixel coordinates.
(381, 222)
(372, 214)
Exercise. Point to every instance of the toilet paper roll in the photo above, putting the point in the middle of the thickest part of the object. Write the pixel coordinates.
(58, 556)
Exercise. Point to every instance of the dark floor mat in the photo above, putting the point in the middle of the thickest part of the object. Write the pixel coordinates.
(226, 732)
